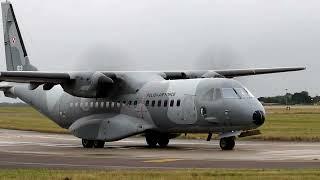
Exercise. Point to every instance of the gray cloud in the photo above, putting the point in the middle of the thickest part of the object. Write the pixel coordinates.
(175, 34)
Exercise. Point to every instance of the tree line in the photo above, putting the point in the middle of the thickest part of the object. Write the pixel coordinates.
(292, 99)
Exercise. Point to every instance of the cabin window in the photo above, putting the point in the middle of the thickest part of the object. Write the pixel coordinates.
(130, 102)
(118, 104)
(147, 103)
(97, 104)
(112, 104)
(91, 104)
(153, 103)
(159, 103)
(135, 103)
(171, 103)
(86, 104)
(178, 102)
(165, 103)
(76, 104)
(71, 105)
(207, 96)
(229, 93)
(124, 103)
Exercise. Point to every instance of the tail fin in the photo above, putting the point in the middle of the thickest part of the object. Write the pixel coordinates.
(16, 53)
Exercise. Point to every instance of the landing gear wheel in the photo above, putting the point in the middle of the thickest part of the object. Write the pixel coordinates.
(227, 143)
(98, 144)
(87, 143)
(163, 141)
(152, 141)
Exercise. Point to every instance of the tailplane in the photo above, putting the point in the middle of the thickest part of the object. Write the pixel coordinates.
(16, 53)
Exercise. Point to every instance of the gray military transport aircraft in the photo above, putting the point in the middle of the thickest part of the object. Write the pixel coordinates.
(106, 106)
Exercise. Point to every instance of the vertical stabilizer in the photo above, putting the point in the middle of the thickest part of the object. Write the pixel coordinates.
(16, 53)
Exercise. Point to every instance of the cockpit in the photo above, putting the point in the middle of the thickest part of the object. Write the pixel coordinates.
(226, 93)
(227, 102)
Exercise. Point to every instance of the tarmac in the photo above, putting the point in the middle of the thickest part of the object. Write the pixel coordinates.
(26, 149)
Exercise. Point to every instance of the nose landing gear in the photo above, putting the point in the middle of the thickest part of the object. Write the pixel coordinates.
(227, 143)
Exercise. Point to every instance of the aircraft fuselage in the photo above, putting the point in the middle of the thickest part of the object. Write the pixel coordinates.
(172, 106)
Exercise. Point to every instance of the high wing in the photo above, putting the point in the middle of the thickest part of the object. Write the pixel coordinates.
(65, 77)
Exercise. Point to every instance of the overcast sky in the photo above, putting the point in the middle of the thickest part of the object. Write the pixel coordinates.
(176, 34)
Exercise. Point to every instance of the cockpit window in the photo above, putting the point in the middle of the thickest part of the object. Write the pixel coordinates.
(208, 96)
(243, 93)
(229, 93)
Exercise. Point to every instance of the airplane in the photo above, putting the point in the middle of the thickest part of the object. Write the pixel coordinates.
(106, 106)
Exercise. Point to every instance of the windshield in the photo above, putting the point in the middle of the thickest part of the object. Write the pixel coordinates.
(229, 93)
(236, 93)
(243, 93)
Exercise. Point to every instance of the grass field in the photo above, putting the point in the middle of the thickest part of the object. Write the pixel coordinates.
(26, 118)
(233, 174)
(301, 123)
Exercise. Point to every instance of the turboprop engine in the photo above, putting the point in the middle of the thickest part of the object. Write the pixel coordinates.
(88, 85)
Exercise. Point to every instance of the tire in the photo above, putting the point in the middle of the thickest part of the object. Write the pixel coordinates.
(98, 144)
(151, 141)
(163, 141)
(87, 143)
(227, 143)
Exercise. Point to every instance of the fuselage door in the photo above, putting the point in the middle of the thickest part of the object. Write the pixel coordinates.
(66, 107)
(189, 110)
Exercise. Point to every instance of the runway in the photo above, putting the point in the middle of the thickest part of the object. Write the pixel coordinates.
(23, 149)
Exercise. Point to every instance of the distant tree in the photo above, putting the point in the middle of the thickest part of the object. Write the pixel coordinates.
(296, 98)
(301, 98)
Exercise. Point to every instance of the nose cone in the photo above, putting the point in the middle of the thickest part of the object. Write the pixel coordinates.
(258, 118)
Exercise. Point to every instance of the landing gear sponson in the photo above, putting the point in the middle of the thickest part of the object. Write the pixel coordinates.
(92, 143)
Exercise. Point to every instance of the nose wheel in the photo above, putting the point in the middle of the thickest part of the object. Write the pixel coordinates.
(227, 143)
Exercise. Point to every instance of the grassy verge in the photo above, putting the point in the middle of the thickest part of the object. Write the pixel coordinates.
(233, 174)
(301, 123)
(26, 118)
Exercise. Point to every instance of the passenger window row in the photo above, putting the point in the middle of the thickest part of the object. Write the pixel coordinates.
(96, 104)
(118, 104)
(165, 103)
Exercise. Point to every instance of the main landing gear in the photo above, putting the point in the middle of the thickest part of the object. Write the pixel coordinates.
(227, 143)
(154, 138)
(92, 143)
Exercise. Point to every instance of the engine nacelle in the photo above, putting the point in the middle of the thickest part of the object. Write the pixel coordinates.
(88, 85)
